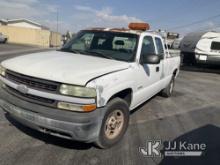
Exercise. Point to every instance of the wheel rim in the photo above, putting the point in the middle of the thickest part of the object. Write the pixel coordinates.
(171, 86)
(114, 124)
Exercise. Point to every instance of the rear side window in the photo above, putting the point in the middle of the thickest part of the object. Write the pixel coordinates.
(159, 45)
(215, 46)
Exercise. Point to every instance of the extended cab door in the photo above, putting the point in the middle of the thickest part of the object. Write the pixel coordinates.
(160, 51)
(149, 75)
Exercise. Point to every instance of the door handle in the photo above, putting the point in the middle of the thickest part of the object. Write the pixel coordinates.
(157, 69)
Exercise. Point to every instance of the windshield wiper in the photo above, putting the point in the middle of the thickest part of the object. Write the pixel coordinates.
(86, 52)
(99, 54)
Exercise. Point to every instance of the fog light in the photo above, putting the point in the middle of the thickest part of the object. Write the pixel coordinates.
(74, 107)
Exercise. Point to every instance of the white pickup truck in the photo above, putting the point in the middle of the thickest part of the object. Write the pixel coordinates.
(85, 90)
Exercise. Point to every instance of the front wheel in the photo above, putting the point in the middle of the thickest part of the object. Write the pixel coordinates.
(114, 124)
(167, 92)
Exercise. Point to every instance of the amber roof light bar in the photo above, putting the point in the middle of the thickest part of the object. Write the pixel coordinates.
(139, 26)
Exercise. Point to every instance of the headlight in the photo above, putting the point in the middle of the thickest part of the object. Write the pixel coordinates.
(2, 71)
(77, 91)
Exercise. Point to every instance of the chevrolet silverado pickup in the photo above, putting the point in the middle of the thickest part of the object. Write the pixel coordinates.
(85, 90)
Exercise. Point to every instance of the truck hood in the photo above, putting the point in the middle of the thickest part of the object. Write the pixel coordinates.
(63, 67)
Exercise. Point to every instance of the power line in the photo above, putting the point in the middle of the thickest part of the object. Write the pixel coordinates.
(194, 23)
(214, 28)
(217, 27)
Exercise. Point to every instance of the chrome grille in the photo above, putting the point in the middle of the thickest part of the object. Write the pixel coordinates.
(32, 82)
(31, 98)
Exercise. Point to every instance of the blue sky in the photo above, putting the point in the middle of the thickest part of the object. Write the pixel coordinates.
(79, 14)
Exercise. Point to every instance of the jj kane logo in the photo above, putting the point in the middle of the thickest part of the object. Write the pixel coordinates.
(151, 149)
(172, 148)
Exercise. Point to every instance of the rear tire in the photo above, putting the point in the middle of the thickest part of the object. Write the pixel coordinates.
(114, 124)
(167, 92)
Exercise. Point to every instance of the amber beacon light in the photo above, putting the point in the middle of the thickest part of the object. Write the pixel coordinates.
(139, 26)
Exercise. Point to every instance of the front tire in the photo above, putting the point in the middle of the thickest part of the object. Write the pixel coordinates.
(114, 124)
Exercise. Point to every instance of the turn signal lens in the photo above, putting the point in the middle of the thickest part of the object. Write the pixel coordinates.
(74, 107)
(89, 108)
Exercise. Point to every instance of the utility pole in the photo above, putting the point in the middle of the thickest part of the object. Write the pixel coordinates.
(57, 28)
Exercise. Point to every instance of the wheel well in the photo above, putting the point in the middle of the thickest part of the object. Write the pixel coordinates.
(175, 72)
(125, 95)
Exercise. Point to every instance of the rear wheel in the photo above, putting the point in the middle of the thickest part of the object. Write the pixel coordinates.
(114, 124)
(167, 92)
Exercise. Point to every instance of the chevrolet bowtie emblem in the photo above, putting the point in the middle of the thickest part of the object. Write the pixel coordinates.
(22, 88)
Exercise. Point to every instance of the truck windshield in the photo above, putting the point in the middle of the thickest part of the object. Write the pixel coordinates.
(106, 44)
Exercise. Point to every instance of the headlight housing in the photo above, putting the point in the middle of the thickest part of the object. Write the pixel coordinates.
(77, 91)
(2, 70)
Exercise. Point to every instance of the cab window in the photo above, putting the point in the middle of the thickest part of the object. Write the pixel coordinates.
(215, 46)
(159, 45)
(104, 44)
(148, 47)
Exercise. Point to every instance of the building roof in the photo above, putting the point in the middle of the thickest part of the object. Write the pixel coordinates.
(23, 20)
(11, 21)
(3, 21)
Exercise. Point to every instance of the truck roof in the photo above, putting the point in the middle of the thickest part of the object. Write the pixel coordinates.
(125, 30)
(133, 28)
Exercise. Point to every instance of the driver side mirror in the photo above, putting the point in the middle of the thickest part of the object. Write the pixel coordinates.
(150, 59)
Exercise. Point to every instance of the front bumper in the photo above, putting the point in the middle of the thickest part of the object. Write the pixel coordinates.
(66, 124)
